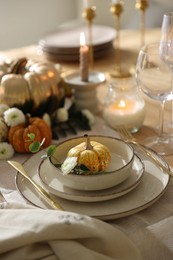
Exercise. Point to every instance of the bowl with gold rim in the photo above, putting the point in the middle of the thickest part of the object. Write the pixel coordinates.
(92, 162)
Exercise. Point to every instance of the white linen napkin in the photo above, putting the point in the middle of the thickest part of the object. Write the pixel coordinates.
(27, 232)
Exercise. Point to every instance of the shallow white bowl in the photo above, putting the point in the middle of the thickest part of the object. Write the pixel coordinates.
(122, 157)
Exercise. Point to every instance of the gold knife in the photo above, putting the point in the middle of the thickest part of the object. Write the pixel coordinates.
(48, 198)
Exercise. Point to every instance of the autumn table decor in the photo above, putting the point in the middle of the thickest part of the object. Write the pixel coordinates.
(85, 92)
(16, 127)
(18, 135)
(95, 156)
(69, 120)
(84, 82)
(32, 86)
(116, 10)
(89, 14)
(142, 5)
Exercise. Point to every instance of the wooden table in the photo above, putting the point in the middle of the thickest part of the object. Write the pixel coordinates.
(134, 226)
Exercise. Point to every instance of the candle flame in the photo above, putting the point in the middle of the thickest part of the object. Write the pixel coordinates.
(122, 104)
(82, 39)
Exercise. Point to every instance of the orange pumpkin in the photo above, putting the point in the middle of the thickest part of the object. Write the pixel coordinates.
(18, 135)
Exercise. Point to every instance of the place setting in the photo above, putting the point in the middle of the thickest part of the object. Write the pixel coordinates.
(144, 183)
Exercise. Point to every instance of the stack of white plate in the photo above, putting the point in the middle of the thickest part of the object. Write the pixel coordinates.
(64, 44)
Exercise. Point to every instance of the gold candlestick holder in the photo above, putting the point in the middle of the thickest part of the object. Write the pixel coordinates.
(116, 10)
(89, 14)
(142, 5)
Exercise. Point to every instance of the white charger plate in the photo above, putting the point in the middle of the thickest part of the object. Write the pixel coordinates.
(152, 186)
(50, 181)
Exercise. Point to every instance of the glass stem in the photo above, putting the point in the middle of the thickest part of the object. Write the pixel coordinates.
(172, 100)
(171, 113)
(162, 106)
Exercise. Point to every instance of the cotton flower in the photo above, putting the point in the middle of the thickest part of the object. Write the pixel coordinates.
(89, 116)
(68, 165)
(62, 114)
(6, 151)
(3, 108)
(47, 119)
(68, 103)
(14, 116)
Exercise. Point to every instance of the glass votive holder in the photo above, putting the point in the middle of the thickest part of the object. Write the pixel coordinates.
(124, 105)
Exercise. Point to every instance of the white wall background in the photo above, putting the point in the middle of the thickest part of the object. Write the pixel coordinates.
(23, 22)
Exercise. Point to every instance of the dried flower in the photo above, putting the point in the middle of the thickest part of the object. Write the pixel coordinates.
(47, 119)
(68, 165)
(14, 116)
(89, 116)
(3, 108)
(62, 114)
(6, 151)
(3, 130)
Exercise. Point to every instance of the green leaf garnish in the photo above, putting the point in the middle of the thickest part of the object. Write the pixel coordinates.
(31, 137)
(51, 150)
(34, 147)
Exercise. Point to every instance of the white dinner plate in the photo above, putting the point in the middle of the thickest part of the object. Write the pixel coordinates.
(150, 189)
(50, 181)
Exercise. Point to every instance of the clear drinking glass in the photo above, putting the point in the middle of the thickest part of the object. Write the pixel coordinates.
(166, 52)
(154, 78)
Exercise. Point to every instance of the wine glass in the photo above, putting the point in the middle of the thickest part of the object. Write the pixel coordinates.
(154, 79)
(166, 51)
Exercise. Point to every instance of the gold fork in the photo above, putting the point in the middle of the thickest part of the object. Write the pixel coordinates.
(128, 138)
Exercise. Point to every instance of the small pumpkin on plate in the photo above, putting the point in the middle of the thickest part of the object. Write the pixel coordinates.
(18, 135)
(95, 156)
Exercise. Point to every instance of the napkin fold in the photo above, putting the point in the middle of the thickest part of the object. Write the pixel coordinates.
(27, 232)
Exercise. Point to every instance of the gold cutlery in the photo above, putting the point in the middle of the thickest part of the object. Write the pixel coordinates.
(127, 137)
(47, 197)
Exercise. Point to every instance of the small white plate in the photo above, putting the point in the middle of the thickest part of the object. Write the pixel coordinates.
(152, 186)
(51, 182)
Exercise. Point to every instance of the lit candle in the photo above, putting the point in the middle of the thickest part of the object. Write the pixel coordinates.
(84, 58)
(127, 112)
(87, 3)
